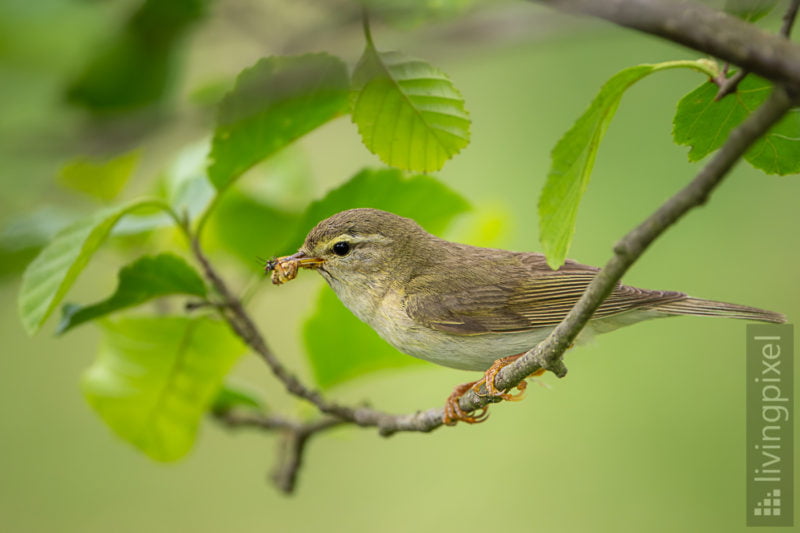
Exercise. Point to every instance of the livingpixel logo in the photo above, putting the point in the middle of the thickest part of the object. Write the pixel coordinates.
(770, 424)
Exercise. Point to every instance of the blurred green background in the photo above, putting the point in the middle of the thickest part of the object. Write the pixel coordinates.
(647, 430)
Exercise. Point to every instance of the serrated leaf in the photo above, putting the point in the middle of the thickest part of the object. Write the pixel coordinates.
(146, 278)
(102, 179)
(155, 378)
(232, 396)
(572, 159)
(338, 345)
(50, 275)
(274, 102)
(387, 189)
(407, 111)
(750, 10)
(705, 124)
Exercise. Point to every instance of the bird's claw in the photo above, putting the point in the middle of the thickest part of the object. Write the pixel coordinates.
(483, 387)
(453, 413)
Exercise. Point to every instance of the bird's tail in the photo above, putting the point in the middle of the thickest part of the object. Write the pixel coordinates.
(700, 307)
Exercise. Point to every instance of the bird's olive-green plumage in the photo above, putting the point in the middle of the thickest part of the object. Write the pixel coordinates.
(464, 306)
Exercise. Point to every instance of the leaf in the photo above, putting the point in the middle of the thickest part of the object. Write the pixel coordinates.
(387, 189)
(338, 345)
(146, 278)
(155, 378)
(274, 102)
(573, 157)
(407, 111)
(102, 179)
(705, 124)
(50, 275)
(749, 10)
(231, 396)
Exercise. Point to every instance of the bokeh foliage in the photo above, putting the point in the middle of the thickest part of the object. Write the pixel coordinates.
(407, 112)
(244, 222)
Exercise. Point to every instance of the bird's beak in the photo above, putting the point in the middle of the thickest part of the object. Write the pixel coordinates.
(285, 268)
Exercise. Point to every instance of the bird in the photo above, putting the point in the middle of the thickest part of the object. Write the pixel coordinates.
(463, 306)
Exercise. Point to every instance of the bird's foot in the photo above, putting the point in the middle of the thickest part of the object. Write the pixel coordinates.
(453, 412)
(491, 373)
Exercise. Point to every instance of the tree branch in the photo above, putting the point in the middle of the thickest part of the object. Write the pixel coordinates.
(701, 28)
(729, 85)
(295, 438)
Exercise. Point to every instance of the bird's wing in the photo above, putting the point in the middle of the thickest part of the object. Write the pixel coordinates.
(536, 302)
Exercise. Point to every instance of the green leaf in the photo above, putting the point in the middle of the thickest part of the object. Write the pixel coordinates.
(155, 378)
(102, 179)
(387, 189)
(48, 278)
(407, 111)
(274, 102)
(339, 346)
(574, 155)
(750, 10)
(146, 278)
(704, 125)
(231, 396)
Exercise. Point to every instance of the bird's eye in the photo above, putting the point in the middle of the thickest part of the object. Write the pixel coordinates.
(341, 248)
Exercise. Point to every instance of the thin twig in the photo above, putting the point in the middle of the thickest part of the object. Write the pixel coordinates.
(729, 85)
(295, 437)
(702, 28)
(788, 19)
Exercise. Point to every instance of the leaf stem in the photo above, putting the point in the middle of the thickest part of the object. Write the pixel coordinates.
(729, 85)
(366, 27)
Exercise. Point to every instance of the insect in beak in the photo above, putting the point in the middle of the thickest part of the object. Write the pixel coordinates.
(285, 268)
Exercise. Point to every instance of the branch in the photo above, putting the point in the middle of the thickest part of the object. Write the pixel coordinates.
(295, 438)
(729, 85)
(788, 19)
(702, 28)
